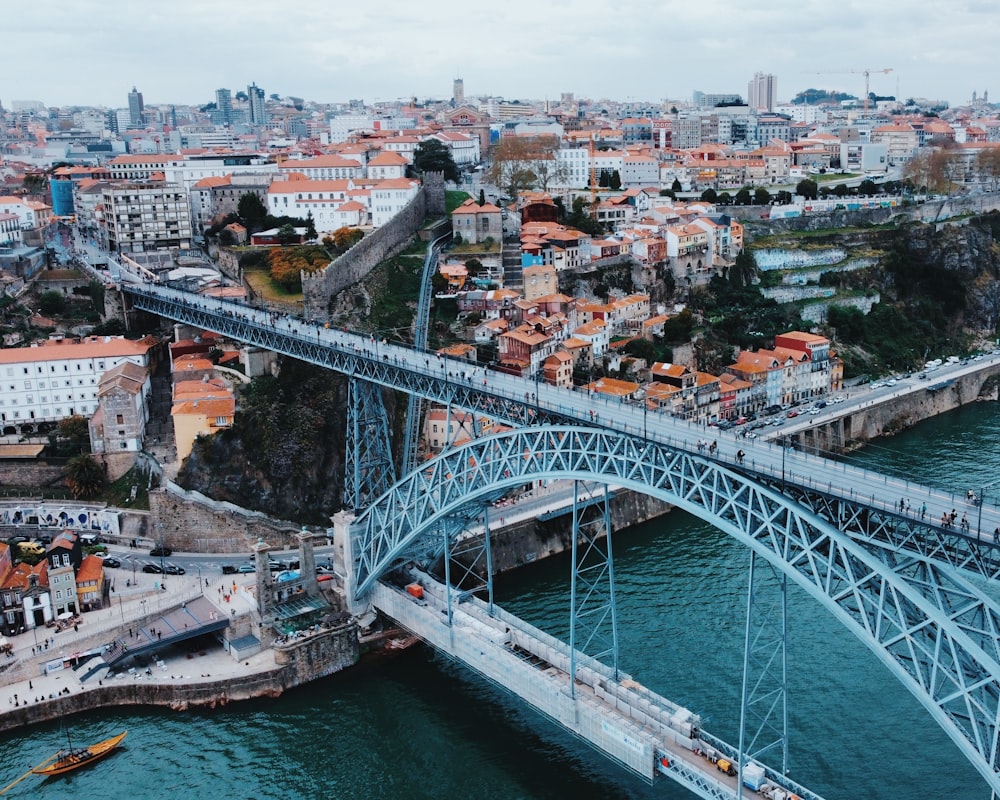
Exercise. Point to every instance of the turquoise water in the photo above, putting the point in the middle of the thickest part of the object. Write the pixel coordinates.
(422, 727)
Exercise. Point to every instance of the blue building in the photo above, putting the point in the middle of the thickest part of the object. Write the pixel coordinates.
(61, 184)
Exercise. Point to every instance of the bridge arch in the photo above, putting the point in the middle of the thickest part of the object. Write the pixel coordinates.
(933, 630)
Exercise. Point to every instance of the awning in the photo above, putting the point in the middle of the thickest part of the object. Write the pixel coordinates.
(66, 615)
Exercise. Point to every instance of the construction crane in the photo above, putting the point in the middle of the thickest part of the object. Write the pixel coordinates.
(866, 72)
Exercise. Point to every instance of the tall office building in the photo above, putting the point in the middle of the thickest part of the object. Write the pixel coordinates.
(762, 92)
(224, 106)
(458, 91)
(136, 109)
(258, 113)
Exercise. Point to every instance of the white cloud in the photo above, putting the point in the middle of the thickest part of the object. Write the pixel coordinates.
(90, 52)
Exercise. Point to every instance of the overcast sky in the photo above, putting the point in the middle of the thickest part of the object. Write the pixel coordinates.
(91, 52)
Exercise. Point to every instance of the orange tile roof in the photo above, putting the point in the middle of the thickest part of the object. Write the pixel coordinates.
(91, 347)
(91, 570)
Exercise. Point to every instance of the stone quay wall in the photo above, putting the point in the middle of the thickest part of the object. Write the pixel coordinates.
(524, 542)
(854, 427)
(320, 655)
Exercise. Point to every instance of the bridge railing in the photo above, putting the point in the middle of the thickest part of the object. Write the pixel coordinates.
(517, 400)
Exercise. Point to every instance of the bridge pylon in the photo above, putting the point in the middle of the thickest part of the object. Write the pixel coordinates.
(368, 465)
(593, 631)
(764, 709)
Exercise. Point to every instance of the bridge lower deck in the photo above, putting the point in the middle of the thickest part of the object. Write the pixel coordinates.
(647, 733)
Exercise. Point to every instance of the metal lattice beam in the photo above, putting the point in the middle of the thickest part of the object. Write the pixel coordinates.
(368, 467)
(593, 619)
(522, 402)
(935, 632)
(764, 707)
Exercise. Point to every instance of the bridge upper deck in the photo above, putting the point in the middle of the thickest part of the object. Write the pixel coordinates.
(519, 401)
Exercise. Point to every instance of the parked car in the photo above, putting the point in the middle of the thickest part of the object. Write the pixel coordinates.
(113, 562)
(243, 569)
(173, 569)
(229, 569)
(161, 551)
(152, 569)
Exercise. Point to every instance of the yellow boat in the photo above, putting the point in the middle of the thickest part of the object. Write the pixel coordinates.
(76, 757)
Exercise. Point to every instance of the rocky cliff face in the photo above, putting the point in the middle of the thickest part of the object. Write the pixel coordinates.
(284, 455)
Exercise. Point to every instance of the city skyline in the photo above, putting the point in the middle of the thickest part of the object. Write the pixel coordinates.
(624, 50)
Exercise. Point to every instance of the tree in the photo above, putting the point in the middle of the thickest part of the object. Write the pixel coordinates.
(931, 169)
(676, 187)
(519, 162)
(344, 239)
(709, 196)
(71, 436)
(840, 190)
(85, 477)
(725, 199)
(482, 197)
(286, 234)
(604, 181)
(52, 302)
(474, 266)
(310, 227)
(432, 155)
(761, 196)
(743, 197)
(988, 166)
(807, 188)
(615, 181)
(252, 211)
(867, 188)
(784, 197)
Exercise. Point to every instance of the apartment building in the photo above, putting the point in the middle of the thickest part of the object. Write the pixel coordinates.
(46, 383)
(151, 215)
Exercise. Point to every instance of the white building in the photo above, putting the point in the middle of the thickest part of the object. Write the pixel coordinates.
(328, 167)
(387, 165)
(464, 148)
(10, 230)
(390, 197)
(341, 127)
(31, 214)
(332, 203)
(59, 378)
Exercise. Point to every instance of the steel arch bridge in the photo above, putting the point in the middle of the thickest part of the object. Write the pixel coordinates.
(933, 630)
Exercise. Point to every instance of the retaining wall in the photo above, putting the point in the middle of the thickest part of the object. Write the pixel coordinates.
(319, 288)
(324, 654)
(192, 522)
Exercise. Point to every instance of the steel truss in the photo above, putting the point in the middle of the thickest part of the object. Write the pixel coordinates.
(443, 380)
(368, 467)
(764, 708)
(936, 633)
(458, 384)
(593, 618)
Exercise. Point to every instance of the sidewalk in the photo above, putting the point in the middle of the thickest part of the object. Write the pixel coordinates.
(25, 681)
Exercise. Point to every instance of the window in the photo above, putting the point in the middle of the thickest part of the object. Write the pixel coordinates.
(58, 594)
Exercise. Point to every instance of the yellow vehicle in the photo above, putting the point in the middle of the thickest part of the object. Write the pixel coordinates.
(725, 765)
(31, 549)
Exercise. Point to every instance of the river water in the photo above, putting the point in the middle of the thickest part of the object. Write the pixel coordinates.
(422, 727)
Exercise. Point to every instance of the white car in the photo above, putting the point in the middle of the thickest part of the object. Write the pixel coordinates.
(838, 399)
(813, 411)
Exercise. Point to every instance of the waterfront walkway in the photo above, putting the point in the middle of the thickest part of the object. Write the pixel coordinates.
(30, 676)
